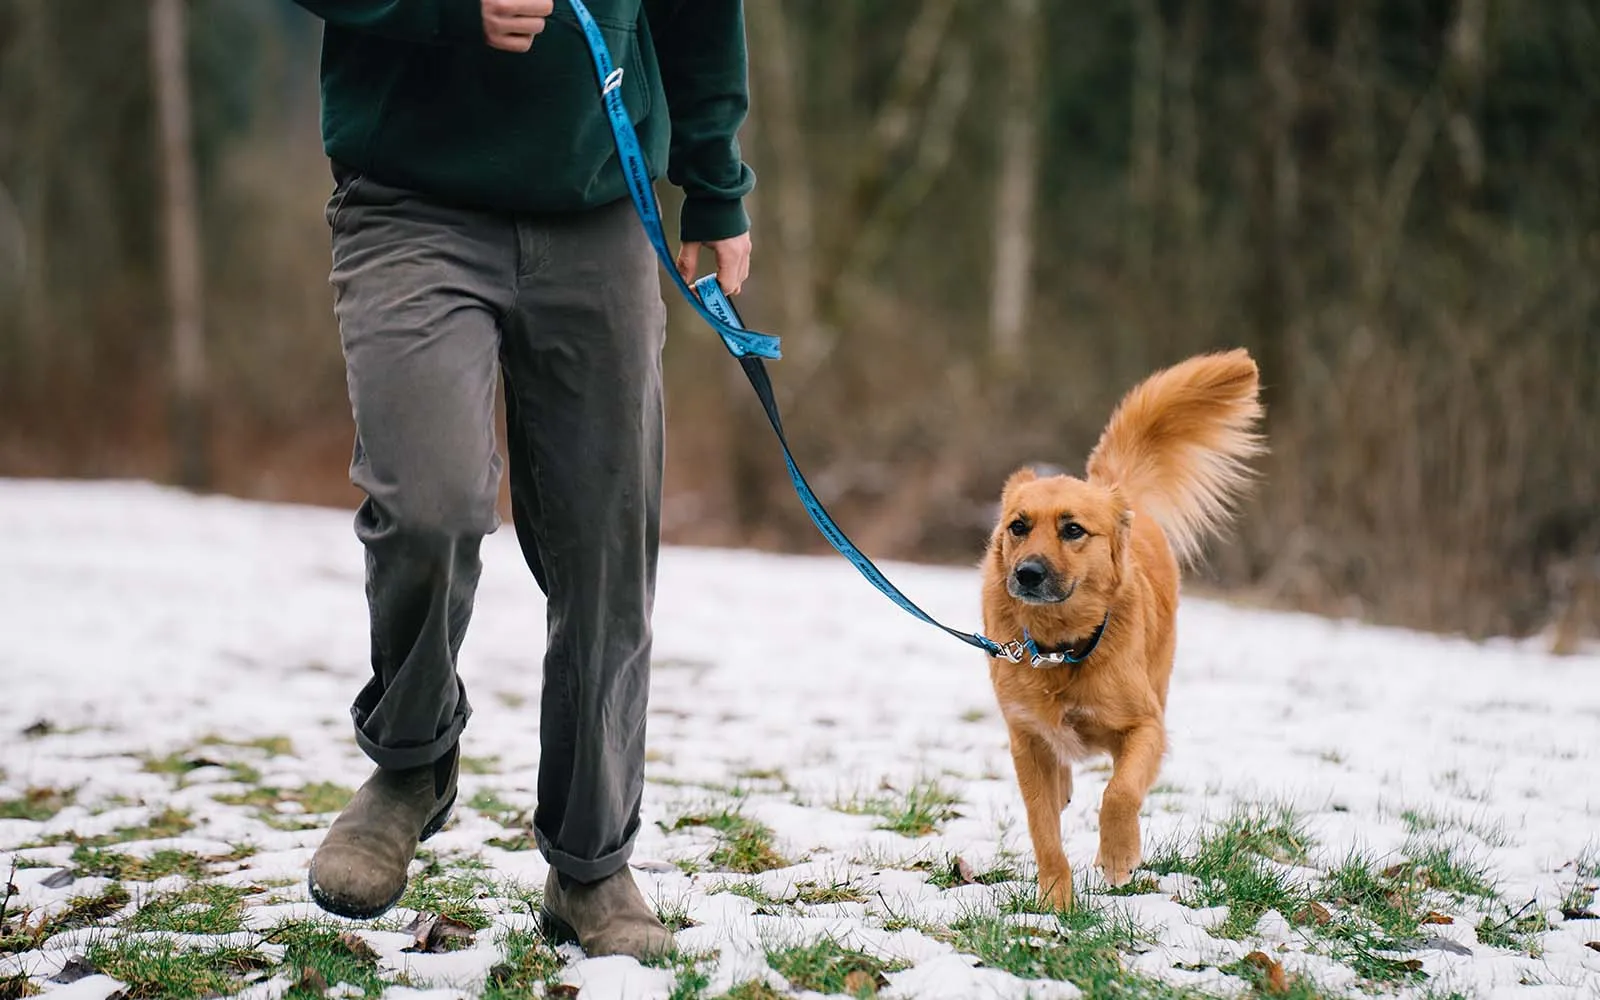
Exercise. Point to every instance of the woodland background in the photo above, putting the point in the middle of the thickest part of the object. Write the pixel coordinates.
(978, 223)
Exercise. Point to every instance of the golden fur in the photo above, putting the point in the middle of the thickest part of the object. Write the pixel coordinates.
(1069, 553)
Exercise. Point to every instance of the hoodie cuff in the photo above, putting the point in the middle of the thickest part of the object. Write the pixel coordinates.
(706, 220)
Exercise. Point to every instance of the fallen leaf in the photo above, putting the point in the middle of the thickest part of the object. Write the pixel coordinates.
(563, 990)
(1277, 983)
(963, 872)
(433, 933)
(860, 983)
(1395, 871)
(41, 727)
(77, 968)
(311, 979)
(1435, 917)
(60, 879)
(356, 945)
(1577, 914)
(1313, 913)
(1593, 944)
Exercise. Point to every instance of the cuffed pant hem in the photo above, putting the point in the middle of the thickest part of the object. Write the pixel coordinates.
(402, 758)
(581, 869)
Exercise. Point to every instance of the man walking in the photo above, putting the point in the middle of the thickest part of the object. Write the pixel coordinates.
(481, 229)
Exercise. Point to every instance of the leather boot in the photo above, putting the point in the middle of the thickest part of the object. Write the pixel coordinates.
(608, 917)
(359, 871)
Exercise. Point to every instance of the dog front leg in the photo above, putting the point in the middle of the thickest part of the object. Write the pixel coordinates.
(1039, 778)
(1135, 762)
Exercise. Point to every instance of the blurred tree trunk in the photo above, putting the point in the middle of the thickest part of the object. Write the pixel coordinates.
(181, 226)
(36, 47)
(1275, 207)
(1183, 174)
(1144, 154)
(1016, 192)
(882, 194)
(788, 171)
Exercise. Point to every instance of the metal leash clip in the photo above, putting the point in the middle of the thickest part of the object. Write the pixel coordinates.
(1012, 651)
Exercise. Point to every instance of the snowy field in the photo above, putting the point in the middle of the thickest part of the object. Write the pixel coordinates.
(1344, 811)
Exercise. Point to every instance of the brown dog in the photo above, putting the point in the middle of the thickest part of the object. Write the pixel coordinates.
(1090, 568)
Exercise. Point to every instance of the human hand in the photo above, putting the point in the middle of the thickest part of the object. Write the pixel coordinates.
(509, 25)
(733, 261)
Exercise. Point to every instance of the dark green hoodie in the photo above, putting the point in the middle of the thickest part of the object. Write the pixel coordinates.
(414, 96)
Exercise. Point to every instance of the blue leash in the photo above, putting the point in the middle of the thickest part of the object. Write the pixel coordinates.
(750, 347)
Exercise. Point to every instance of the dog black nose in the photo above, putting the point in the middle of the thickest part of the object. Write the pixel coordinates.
(1030, 573)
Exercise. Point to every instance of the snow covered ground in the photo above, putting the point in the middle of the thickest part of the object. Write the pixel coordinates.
(174, 680)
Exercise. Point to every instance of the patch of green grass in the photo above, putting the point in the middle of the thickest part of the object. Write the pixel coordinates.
(272, 746)
(1425, 821)
(202, 908)
(1230, 863)
(766, 905)
(1516, 930)
(81, 911)
(316, 798)
(529, 968)
(453, 893)
(522, 840)
(109, 863)
(485, 801)
(915, 812)
(752, 989)
(1378, 909)
(828, 967)
(22, 862)
(480, 765)
(815, 893)
(333, 954)
(169, 822)
(164, 969)
(946, 874)
(1580, 896)
(38, 804)
(16, 986)
(691, 978)
(762, 774)
(675, 915)
(1292, 987)
(1588, 862)
(1085, 948)
(743, 844)
(1440, 866)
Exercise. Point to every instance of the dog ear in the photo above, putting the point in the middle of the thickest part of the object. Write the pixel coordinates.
(1022, 475)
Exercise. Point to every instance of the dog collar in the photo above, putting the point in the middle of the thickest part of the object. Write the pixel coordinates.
(1015, 651)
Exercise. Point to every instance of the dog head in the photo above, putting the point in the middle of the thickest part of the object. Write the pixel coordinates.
(1060, 540)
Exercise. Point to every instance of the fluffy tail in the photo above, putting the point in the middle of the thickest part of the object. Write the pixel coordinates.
(1177, 445)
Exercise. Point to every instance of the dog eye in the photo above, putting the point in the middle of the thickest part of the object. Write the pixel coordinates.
(1072, 531)
(1019, 527)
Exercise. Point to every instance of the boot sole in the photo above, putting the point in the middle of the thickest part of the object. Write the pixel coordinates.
(344, 908)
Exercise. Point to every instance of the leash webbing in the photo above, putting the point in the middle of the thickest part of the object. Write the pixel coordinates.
(747, 346)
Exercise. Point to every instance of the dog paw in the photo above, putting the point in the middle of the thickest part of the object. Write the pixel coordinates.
(1117, 864)
(1056, 892)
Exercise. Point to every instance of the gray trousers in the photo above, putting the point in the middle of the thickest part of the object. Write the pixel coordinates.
(434, 304)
